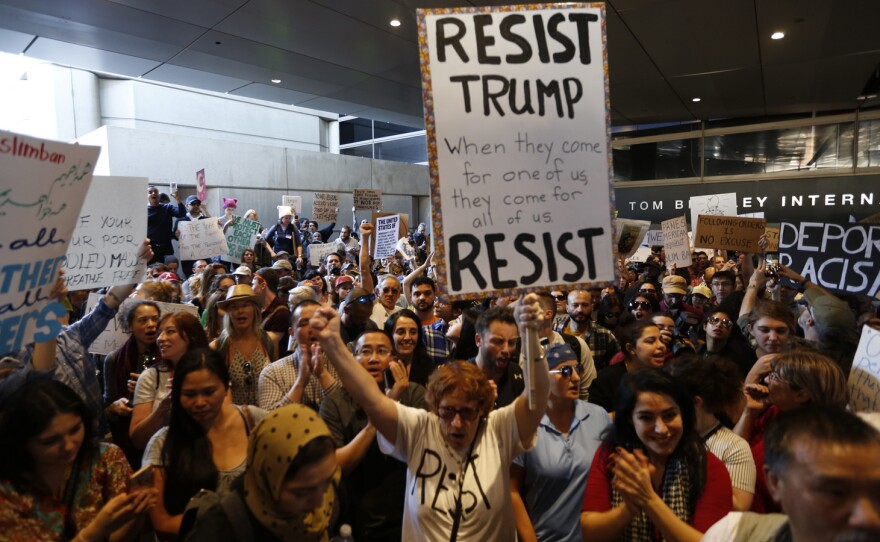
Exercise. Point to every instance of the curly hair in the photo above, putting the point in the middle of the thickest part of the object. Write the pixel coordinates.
(463, 379)
(130, 309)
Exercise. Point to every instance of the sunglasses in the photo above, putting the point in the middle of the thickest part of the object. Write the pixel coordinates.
(559, 297)
(365, 298)
(644, 305)
(647, 291)
(448, 414)
(567, 371)
(248, 379)
(723, 322)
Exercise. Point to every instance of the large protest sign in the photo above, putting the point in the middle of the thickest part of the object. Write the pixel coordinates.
(676, 244)
(42, 188)
(367, 199)
(837, 256)
(104, 246)
(864, 377)
(325, 207)
(201, 185)
(294, 202)
(241, 234)
(712, 205)
(729, 232)
(385, 244)
(629, 235)
(517, 122)
(319, 251)
(201, 239)
(113, 335)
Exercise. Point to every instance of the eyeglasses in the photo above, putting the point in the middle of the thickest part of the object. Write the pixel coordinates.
(248, 379)
(448, 414)
(723, 322)
(365, 298)
(644, 305)
(567, 371)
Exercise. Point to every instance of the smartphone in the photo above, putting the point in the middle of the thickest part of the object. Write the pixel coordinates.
(389, 378)
(771, 269)
(173, 187)
(142, 479)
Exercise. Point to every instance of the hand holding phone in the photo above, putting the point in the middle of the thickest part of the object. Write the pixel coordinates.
(142, 479)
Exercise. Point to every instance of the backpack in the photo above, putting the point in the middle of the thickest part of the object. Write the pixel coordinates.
(233, 508)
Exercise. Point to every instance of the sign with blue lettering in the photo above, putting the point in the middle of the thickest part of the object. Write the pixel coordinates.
(516, 115)
(42, 187)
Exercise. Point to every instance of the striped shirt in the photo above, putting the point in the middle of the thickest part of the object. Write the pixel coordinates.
(736, 455)
(279, 376)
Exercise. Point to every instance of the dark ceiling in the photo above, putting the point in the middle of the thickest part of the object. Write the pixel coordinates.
(342, 56)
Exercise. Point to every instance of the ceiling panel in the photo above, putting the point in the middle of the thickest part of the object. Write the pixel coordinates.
(178, 75)
(721, 92)
(272, 93)
(204, 13)
(14, 42)
(648, 101)
(378, 13)
(627, 60)
(88, 58)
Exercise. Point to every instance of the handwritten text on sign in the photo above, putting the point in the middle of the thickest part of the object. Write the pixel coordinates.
(836, 256)
(675, 241)
(294, 202)
(729, 232)
(104, 246)
(113, 335)
(325, 207)
(367, 199)
(518, 131)
(319, 251)
(201, 239)
(240, 235)
(864, 378)
(42, 187)
(386, 236)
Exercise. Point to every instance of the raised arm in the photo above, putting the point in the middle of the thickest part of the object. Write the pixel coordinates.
(381, 410)
(755, 287)
(417, 272)
(365, 261)
(529, 317)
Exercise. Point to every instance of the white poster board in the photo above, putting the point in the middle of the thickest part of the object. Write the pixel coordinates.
(201, 239)
(518, 141)
(629, 235)
(294, 202)
(109, 232)
(676, 244)
(864, 378)
(113, 337)
(712, 204)
(319, 251)
(240, 235)
(653, 238)
(42, 187)
(386, 236)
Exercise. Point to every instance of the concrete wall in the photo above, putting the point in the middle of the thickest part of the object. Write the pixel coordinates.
(258, 175)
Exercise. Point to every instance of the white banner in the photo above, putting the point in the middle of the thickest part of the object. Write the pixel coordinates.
(319, 251)
(201, 239)
(42, 187)
(294, 202)
(713, 204)
(113, 337)
(518, 129)
(109, 232)
(386, 236)
(864, 378)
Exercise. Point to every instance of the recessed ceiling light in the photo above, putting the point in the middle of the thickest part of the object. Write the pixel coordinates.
(276, 81)
(394, 22)
(777, 36)
(696, 99)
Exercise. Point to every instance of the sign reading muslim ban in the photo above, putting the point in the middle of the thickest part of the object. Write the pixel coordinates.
(843, 257)
(517, 124)
(104, 246)
(42, 187)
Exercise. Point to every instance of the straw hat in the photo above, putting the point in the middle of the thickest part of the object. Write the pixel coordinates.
(239, 292)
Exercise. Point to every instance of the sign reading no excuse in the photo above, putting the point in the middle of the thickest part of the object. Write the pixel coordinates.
(518, 137)
(729, 232)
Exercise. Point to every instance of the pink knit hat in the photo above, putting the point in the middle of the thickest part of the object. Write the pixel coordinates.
(230, 202)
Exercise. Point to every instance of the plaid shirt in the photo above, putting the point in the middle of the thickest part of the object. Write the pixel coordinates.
(436, 343)
(601, 341)
(279, 376)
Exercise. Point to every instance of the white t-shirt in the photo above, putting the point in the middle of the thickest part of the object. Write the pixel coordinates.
(380, 314)
(432, 474)
(152, 387)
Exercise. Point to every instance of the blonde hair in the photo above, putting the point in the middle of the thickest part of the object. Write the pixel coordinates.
(256, 323)
(818, 375)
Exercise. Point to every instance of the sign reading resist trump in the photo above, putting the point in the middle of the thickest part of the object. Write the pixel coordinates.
(517, 123)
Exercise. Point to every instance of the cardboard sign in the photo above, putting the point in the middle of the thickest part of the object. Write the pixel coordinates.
(325, 207)
(712, 205)
(629, 235)
(201, 239)
(729, 233)
(113, 336)
(42, 187)
(772, 239)
(294, 202)
(518, 144)
(837, 256)
(319, 251)
(676, 244)
(104, 246)
(201, 185)
(385, 244)
(367, 199)
(240, 235)
(864, 377)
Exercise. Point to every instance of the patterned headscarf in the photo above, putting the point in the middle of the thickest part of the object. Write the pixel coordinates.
(274, 444)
